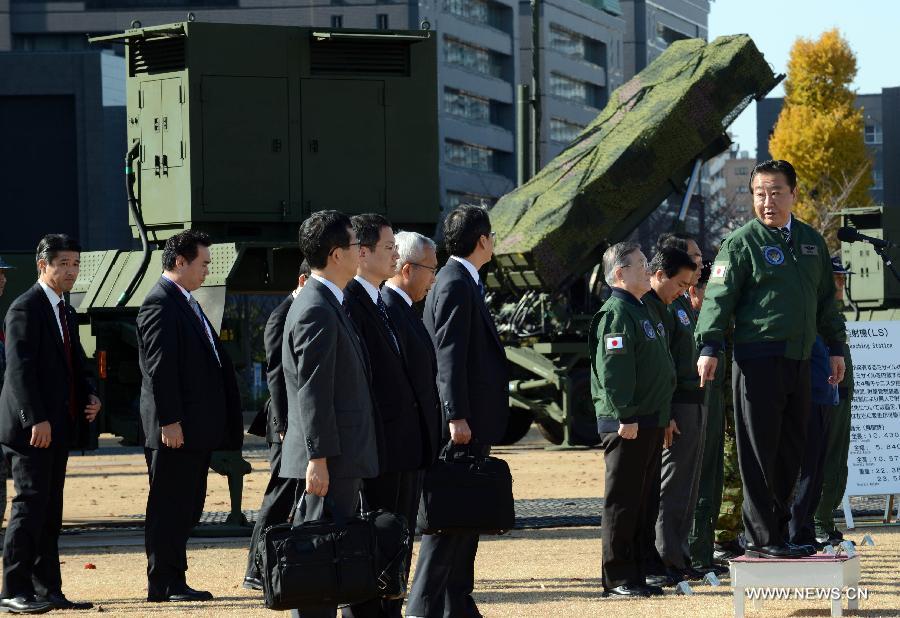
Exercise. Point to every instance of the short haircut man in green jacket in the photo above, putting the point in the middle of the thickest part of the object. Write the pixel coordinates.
(772, 279)
(632, 381)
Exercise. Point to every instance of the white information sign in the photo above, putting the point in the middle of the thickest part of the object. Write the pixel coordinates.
(874, 460)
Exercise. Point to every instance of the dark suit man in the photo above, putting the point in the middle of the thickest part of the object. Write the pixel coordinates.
(190, 406)
(472, 383)
(271, 423)
(330, 440)
(46, 402)
(405, 447)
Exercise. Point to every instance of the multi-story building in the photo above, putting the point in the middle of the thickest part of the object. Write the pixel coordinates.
(580, 64)
(726, 193)
(881, 134)
(653, 25)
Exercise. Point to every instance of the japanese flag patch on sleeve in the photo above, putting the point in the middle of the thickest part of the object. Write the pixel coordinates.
(719, 269)
(615, 343)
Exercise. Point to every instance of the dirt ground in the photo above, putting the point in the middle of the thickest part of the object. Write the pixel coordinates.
(549, 572)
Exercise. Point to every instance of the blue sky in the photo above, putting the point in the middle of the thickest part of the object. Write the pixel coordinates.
(872, 27)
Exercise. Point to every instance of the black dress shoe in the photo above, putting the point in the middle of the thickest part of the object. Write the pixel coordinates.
(806, 548)
(59, 601)
(719, 571)
(774, 551)
(691, 574)
(252, 583)
(660, 580)
(626, 591)
(729, 550)
(24, 605)
(179, 592)
(655, 591)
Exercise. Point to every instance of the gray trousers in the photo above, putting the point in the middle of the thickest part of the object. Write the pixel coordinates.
(680, 484)
(345, 494)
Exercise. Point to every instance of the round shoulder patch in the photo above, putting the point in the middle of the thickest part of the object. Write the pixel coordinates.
(648, 329)
(683, 317)
(773, 255)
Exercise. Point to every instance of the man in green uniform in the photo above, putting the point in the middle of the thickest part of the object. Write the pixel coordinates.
(838, 446)
(772, 277)
(632, 381)
(672, 273)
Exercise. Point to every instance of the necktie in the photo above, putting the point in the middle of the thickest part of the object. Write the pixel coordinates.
(196, 307)
(382, 310)
(786, 235)
(481, 287)
(67, 344)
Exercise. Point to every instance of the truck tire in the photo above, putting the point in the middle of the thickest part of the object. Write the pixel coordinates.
(517, 426)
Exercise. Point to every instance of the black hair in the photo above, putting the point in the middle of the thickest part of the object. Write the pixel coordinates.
(305, 270)
(775, 166)
(463, 228)
(52, 244)
(322, 233)
(679, 240)
(705, 273)
(671, 260)
(186, 245)
(368, 228)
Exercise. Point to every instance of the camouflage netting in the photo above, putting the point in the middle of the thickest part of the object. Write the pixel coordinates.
(629, 159)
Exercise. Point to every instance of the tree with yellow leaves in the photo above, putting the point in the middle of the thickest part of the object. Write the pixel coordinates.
(821, 133)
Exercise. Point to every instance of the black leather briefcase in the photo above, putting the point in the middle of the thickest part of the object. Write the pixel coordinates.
(465, 491)
(337, 561)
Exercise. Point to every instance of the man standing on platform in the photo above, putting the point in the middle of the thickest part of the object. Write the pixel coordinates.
(190, 407)
(472, 382)
(773, 278)
(271, 423)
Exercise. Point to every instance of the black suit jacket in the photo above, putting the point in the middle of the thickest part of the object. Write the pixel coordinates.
(272, 419)
(472, 367)
(36, 385)
(421, 365)
(182, 381)
(403, 445)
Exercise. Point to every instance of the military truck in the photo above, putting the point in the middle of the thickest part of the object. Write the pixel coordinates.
(552, 231)
(242, 131)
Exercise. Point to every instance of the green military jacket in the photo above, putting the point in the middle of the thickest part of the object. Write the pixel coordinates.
(680, 320)
(778, 296)
(632, 373)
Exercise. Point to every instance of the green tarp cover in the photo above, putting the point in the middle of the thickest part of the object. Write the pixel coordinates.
(625, 162)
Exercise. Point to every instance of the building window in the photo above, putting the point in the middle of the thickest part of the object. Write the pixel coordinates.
(877, 180)
(741, 171)
(668, 35)
(337, 21)
(564, 131)
(471, 10)
(577, 46)
(465, 105)
(455, 198)
(382, 21)
(471, 57)
(574, 90)
(469, 155)
(872, 133)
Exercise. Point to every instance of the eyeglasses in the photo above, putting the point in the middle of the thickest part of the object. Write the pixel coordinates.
(344, 247)
(433, 269)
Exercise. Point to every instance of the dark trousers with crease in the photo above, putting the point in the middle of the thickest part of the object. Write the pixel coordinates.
(174, 507)
(397, 492)
(277, 502)
(812, 475)
(445, 575)
(31, 547)
(630, 505)
(771, 409)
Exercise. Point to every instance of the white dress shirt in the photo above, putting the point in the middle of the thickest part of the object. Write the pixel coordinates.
(338, 292)
(402, 294)
(469, 266)
(370, 289)
(54, 299)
